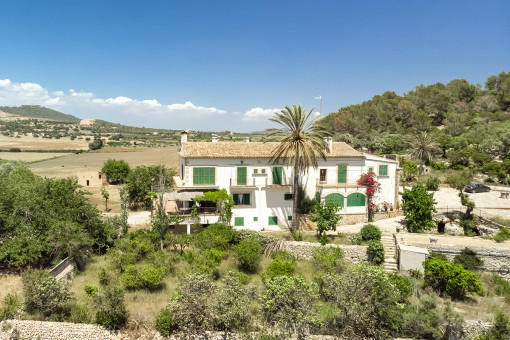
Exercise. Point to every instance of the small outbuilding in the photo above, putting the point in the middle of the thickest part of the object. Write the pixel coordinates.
(92, 178)
(411, 258)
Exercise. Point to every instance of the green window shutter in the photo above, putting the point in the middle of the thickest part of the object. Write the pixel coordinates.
(255, 219)
(318, 196)
(356, 200)
(236, 198)
(263, 171)
(241, 176)
(273, 220)
(204, 176)
(371, 169)
(336, 199)
(239, 221)
(342, 173)
(277, 175)
(289, 218)
(255, 171)
(246, 199)
(383, 170)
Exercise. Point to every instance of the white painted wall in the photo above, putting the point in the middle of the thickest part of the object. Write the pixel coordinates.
(268, 200)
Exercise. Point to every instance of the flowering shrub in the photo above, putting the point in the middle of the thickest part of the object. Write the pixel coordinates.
(372, 186)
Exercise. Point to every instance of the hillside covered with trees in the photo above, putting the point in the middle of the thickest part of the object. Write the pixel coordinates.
(469, 123)
(36, 111)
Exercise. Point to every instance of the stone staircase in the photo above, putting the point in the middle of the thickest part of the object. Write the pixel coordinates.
(390, 262)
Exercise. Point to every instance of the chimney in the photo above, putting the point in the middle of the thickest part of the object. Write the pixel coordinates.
(215, 139)
(184, 137)
(247, 139)
(330, 144)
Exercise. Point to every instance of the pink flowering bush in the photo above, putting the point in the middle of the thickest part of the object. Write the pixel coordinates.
(372, 187)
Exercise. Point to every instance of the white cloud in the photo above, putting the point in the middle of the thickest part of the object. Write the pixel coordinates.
(80, 101)
(259, 113)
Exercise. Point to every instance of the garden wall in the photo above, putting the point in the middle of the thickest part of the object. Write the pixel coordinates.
(349, 219)
(355, 254)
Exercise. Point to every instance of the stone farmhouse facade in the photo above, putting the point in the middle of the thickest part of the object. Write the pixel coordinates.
(262, 191)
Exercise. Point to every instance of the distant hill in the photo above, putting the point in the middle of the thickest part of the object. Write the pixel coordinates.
(36, 111)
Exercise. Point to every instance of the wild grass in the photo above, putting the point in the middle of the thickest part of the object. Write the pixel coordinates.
(10, 284)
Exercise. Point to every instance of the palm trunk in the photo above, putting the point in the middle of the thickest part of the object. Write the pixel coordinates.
(421, 167)
(295, 222)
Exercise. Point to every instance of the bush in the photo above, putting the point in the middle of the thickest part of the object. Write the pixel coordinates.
(80, 314)
(470, 226)
(376, 251)
(283, 255)
(356, 239)
(502, 235)
(297, 236)
(130, 278)
(151, 276)
(244, 234)
(111, 311)
(423, 319)
(500, 330)
(328, 259)
(402, 283)
(90, 290)
(324, 239)
(191, 308)
(289, 303)
(432, 183)
(104, 277)
(219, 236)
(117, 170)
(370, 232)
(418, 206)
(280, 267)
(10, 306)
(451, 279)
(326, 217)
(43, 293)
(249, 254)
(165, 323)
(468, 259)
(232, 303)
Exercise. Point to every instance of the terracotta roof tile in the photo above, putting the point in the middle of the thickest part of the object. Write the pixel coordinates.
(251, 150)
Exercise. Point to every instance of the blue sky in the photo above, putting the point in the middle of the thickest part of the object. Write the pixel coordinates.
(227, 65)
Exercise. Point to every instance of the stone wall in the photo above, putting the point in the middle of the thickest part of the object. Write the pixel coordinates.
(349, 219)
(354, 254)
(43, 330)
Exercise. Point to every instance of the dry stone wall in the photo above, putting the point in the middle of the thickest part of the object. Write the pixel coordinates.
(44, 330)
(349, 219)
(355, 254)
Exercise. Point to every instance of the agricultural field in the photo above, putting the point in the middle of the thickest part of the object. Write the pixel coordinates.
(93, 161)
(29, 143)
(31, 156)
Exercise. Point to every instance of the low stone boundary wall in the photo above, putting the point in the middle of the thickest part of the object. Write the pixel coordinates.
(355, 254)
(348, 219)
(45, 330)
(491, 223)
(65, 267)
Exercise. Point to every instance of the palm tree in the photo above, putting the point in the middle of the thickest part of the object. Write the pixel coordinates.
(303, 141)
(423, 147)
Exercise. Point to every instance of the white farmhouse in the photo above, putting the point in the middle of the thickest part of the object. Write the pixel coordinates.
(262, 191)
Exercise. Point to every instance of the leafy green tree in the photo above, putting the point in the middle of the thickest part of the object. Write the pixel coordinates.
(140, 180)
(111, 311)
(326, 216)
(418, 206)
(423, 147)
(117, 170)
(288, 303)
(106, 196)
(303, 140)
(96, 144)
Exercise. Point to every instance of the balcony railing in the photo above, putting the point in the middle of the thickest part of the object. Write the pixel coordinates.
(260, 181)
(200, 210)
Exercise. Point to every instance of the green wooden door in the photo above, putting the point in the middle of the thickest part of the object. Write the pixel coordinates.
(241, 176)
(277, 175)
(342, 173)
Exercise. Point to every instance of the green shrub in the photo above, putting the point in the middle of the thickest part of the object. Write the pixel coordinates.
(261, 239)
(204, 261)
(130, 278)
(418, 206)
(297, 236)
(165, 323)
(219, 236)
(423, 319)
(43, 293)
(10, 306)
(438, 256)
(470, 226)
(402, 283)
(152, 276)
(104, 276)
(283, 255)
(376, 252)
(499, 331)
(328, 259)
(356, 239)
(289, 303)
(468, 259)
(324, 239)
(280, 267)
(249, 254)
(370, 232)
(502, 286)
(80, 314)
(502, 235)
(90, 290)
(449, 278)
(111, 311)
(432, 183)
